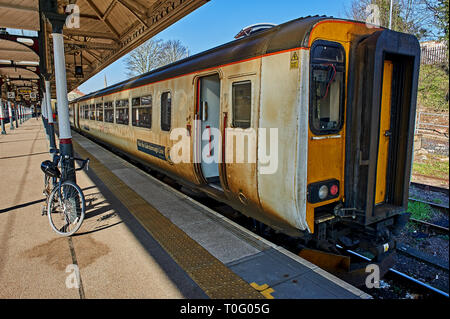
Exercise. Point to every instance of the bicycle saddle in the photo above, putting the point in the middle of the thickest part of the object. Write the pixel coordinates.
(50, 169)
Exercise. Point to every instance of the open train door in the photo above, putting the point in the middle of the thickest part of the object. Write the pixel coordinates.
(381, 108)
(207, 139)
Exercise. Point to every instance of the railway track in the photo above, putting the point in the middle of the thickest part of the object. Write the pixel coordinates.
(439, 191)
(422, 257)
(437, 205)
(409, 282)
(429, 227)
(431, 188)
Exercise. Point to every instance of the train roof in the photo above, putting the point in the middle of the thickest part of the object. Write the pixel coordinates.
(289, 35)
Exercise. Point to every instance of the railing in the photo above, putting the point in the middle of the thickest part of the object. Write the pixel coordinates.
(426, 121)
(431, 133)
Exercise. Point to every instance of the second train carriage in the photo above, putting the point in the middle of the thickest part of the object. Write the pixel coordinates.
(342, 96)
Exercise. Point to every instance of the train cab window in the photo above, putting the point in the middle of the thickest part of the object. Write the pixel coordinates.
(242, 104)
(327, 87)
(122, 116)
(166, 110)
(109, 112)
(99, 112)
(142, 111)
(92, 112)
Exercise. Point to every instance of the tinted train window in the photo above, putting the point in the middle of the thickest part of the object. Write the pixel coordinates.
(109, 112)
(122, 112)
(166, 109)
(92, 112)
(327, 87)
(242, 104)
(99, 112)
(142, 111)
(86, 112)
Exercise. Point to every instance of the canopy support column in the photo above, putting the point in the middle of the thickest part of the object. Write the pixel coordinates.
(2, 117)
(65, 135)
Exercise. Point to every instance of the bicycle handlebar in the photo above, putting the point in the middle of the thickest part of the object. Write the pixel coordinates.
(84, 162)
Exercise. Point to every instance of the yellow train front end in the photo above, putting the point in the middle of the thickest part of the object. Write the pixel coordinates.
(362, 99)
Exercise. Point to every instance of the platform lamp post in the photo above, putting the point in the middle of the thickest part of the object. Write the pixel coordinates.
(65, 135)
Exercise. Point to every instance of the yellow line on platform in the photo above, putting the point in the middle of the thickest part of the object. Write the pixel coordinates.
(211, 275)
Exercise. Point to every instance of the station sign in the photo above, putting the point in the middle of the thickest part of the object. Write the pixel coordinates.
(24, 91)
(11, 95)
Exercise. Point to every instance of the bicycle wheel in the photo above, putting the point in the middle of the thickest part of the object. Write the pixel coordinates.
(66, 207)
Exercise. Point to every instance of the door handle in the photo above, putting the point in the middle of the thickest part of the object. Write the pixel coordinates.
(388, 133)
(204, 111)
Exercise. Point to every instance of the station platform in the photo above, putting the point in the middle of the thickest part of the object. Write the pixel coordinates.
(140, 238)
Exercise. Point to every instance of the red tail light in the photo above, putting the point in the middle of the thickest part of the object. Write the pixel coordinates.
(334, 189)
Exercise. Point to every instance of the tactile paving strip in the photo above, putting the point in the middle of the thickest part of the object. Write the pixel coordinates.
(212, 276)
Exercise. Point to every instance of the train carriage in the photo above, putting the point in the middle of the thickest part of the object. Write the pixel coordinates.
(325, 108)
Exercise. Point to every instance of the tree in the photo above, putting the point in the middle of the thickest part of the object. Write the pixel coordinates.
(172, 51)
(145, 58)
(154, 54)
(439, 9)
(408, 16)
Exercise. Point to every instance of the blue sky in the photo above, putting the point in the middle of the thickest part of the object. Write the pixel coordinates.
(218, 21)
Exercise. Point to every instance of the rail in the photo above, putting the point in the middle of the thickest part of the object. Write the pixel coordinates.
(408, 279)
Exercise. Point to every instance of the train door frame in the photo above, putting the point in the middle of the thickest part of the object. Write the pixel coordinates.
(202, 114)
(363, 118)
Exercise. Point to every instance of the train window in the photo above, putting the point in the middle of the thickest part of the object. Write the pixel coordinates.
(86, 112)
(327, 87)
(142, 111)
(166, 109)
(242, 104)
(99, 112)
(122, 116)
(109, 112)
(92, 112)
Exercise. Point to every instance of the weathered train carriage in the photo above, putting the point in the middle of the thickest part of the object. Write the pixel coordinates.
(342, 96)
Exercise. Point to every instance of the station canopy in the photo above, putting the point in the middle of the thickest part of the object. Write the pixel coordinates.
(97, 33)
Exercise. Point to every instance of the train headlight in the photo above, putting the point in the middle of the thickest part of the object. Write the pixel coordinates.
(323, 192)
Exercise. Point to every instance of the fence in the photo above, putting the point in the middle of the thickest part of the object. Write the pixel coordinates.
(433, 54)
